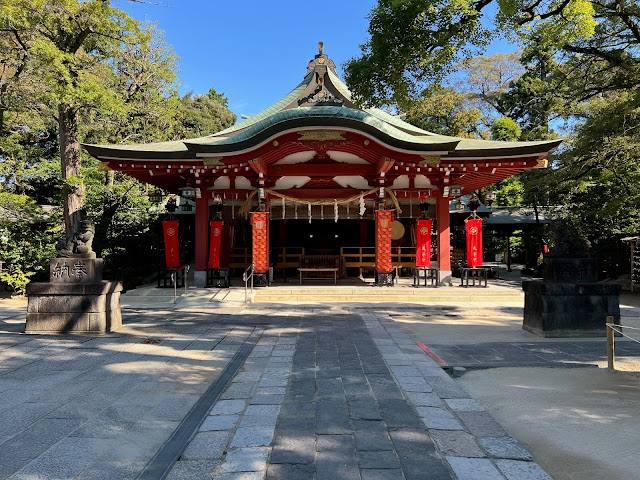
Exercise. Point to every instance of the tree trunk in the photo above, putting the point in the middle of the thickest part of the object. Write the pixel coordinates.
(109, 179)
(70, 162)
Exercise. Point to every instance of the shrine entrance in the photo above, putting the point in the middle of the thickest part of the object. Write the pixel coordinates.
(315, 156)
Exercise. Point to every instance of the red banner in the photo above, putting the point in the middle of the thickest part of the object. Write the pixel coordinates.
(260, 224)
(214, 243)
(423, 243)
(384, 221)
(171, 248)
(474, 242)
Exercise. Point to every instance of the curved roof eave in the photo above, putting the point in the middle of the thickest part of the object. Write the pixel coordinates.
(328, 117)
(285, 115)
(158, 150)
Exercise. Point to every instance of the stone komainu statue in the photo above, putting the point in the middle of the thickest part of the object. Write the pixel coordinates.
(80, 245)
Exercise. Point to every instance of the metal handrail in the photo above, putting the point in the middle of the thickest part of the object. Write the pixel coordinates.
(246, 276)
(174, 280)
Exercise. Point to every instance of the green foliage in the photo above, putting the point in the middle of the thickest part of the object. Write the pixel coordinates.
(505, 129)
(417, 41)
(26, 243)
(105, 78)
(510, 192)
(447, 112)
(486, 80)
(16, 279)
(200, 115)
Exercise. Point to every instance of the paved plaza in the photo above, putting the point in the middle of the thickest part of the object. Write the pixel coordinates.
(323, 393)
(211, 388)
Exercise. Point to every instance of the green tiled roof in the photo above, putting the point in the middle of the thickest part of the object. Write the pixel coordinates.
(276, 107)
(381, 114)
(172, 146)
(320, 112)
(391, 129)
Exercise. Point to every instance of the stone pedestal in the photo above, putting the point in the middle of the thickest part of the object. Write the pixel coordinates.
(75, 300)
(554, 309)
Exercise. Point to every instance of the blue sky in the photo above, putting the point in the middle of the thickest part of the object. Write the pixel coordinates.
(254, 51)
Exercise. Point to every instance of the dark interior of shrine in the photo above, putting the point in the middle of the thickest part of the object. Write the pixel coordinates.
(320, 237)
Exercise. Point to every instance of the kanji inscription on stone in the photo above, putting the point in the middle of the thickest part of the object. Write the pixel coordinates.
(60, 271)
(75, 270)
(80, 269)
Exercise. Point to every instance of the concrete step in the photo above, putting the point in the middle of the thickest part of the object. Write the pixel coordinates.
(371, 299)
(390, 291)
(378, 295)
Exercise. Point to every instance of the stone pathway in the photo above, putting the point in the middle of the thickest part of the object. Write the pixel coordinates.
(538, 354)
(99, 407)
(348, 397)
(326, 393)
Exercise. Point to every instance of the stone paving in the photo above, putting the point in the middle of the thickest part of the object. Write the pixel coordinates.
(538, 354)
(325, 394)
(348, 396)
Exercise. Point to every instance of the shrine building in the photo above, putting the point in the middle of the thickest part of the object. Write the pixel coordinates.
(316, 171)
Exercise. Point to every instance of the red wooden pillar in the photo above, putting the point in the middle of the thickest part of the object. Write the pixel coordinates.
(444, 238)
(201, 240)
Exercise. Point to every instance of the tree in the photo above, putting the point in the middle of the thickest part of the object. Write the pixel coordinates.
(487, 80)
(65, 47)
(114, 80)
(417, 41)
(505, 129)
(26, 243)
(447, 112)
(200, 115)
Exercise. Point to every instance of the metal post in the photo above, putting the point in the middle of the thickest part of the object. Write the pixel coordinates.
(173, 280)
(610, 345)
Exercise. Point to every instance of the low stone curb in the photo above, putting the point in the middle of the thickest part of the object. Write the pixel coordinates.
(471, 441)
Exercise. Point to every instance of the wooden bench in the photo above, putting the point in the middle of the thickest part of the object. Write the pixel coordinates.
(364, 258)
(310, 264)
(311, 270)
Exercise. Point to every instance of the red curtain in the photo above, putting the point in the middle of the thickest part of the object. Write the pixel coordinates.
(171, 247)
(260, 224)
(214, 243)
(474, 242)
(423, 243)
(384, 220)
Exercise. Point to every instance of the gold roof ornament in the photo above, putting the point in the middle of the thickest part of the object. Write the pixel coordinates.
(211, 161)
(321, 47)
(542, 163)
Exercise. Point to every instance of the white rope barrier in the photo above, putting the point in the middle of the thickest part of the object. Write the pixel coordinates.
(613, 327)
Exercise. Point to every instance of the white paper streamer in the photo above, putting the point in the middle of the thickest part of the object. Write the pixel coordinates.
(335, 211)
(363, 207)
(309, 212)
(283, 207)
